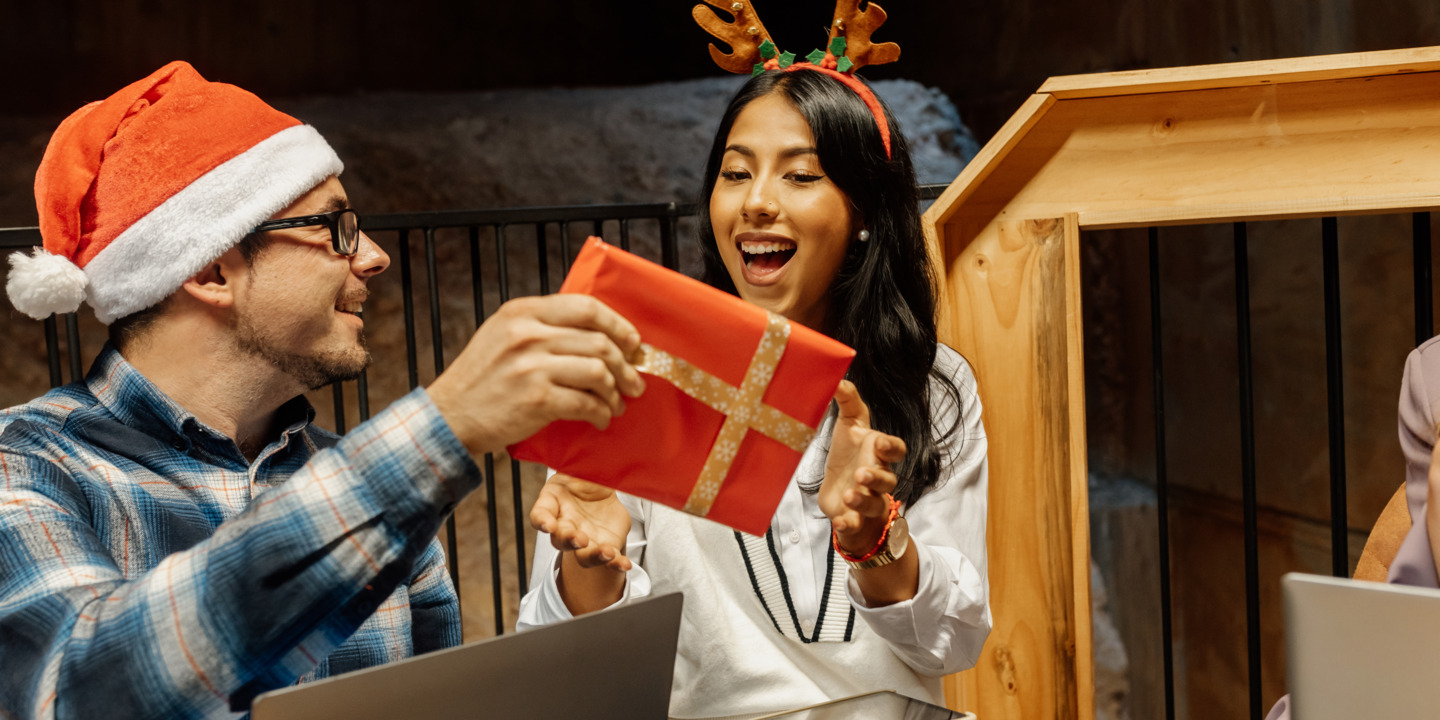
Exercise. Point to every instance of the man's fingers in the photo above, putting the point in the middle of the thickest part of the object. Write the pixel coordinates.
(583, 311)
(591, 376)
(590, 345)
(852, 408)
(566, 403)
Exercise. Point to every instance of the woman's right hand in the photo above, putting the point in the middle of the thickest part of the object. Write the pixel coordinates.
(585, 521)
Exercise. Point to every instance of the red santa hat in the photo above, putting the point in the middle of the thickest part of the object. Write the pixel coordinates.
(138, 192)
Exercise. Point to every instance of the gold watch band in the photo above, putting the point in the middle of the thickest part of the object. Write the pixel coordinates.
(897, 540)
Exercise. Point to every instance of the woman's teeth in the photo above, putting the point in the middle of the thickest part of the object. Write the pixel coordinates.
(766, 256)
(759, 248)
(350, 307)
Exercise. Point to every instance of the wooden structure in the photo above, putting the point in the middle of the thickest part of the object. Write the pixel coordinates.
(1308, 137)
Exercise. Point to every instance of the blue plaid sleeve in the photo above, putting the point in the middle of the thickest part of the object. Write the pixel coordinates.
(434, 606)
(254, 606)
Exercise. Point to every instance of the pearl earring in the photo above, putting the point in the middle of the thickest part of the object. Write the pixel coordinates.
(864, 236)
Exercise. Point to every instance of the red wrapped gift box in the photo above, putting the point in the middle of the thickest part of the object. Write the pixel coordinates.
(733, 395)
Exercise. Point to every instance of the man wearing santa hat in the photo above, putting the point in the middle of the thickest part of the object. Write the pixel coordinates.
(175, 536)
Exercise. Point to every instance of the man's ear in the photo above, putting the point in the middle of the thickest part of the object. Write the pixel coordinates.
(216, 283)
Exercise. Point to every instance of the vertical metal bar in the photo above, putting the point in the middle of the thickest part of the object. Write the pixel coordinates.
(543, 258)
(477, 288)
(437, 328)
(337, 388)
(599, 229)
(518, 502)
(437, 346)
(72, 346)
(1162, 484)
(625, 234)
(362, 391)
(669, 228)
(407, 291)
(520, 526)
(1424, 298)
(502, 264)
(52, 351)
(565, 247)
(1335, 386)
(1247, 464)
(492, 513)
(494, 543)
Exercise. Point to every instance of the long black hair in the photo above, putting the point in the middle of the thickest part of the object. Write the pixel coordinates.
(882, 301)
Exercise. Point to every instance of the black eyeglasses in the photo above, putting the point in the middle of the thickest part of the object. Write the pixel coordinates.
(344, 228)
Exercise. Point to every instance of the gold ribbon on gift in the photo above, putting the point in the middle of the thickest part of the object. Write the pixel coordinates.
(742, 406)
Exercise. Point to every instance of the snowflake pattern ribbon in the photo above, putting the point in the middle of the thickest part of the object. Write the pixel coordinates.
(743, 407)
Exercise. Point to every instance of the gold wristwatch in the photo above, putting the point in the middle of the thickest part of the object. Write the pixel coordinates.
(892, 546)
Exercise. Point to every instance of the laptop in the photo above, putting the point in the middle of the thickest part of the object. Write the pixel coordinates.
(1361, 649)
(615, 664)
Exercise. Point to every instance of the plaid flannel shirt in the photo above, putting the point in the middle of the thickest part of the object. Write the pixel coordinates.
(147, 569)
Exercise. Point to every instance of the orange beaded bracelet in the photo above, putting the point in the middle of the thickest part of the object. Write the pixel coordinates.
(889, 521)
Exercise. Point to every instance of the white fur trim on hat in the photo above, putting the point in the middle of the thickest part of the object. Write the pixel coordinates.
(43, 284)
(156, 255)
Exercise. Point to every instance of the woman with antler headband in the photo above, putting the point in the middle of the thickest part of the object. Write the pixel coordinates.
(812, 213)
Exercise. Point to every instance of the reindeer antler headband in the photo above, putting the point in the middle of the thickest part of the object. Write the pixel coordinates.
(848, 49)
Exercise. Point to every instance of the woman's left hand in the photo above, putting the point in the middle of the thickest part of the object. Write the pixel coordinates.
(858, 475)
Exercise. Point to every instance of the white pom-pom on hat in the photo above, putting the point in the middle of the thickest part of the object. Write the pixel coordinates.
(43, 284)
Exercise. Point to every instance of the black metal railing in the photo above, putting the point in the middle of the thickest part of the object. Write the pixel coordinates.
(553, 229)
(1340, 558)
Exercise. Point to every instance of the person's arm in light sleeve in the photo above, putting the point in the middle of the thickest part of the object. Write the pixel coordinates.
(543, 604)
(942, 629)
(1414, 563)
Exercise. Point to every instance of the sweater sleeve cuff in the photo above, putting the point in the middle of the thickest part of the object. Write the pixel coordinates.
(543, 604)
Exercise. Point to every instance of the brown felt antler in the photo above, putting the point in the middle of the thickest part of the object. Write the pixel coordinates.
(744, 34)
(856, 26)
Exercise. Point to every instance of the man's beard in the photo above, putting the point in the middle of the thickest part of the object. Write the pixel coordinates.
(314, 371)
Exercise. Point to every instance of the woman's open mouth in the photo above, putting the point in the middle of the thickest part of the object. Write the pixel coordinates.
(767, 256)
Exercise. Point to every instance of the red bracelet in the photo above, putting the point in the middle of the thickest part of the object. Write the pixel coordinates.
(894, 513)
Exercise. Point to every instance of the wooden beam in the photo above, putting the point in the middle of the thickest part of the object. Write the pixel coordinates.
(990, 157)
(1015, 288)
(1243, 74)
(1305, 149)
(1310, 137)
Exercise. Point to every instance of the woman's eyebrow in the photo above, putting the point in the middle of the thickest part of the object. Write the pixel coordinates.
(786, 153)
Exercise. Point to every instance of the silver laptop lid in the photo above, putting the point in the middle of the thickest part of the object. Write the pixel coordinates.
(616, 664)
(1360, 649)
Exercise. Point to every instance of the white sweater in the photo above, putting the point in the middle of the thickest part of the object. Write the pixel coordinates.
(739, 649)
